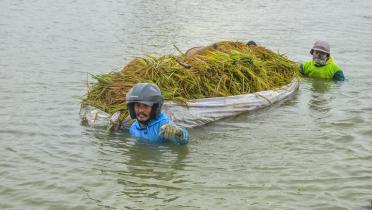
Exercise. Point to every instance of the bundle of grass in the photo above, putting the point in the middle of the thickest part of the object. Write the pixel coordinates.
(223, 69)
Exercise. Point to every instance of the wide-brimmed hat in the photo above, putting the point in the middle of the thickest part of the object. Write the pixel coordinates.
(322, 46)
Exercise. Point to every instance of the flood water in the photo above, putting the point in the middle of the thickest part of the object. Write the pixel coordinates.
(313, 151)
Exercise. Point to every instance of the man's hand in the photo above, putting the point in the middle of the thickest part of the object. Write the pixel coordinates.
(170, 131)
(115, 117)
(114, 122)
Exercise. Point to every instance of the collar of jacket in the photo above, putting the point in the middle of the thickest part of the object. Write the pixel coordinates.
(161, 117)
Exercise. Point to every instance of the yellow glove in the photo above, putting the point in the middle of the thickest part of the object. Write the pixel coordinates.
(170, 131)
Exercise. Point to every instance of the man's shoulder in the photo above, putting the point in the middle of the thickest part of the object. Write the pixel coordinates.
(134, 125)
(306, 66)
(163, 118)
(307, 63)
(336, 67)
(160, 120)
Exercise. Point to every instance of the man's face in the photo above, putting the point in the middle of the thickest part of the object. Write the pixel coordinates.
(320, 58)
(143, 112)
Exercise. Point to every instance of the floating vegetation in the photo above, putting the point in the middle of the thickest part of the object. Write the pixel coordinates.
(223, 69)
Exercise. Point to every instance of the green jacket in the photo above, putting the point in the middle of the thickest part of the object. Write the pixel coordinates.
(329, 71)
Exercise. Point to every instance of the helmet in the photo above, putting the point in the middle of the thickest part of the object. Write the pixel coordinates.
(322, 46)
(145, 93)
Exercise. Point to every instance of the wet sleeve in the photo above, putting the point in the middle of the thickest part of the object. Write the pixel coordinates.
(302, 69)
(339, 76)
(183, 138)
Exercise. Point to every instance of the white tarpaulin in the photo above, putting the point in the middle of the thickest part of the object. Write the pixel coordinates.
(206, 110)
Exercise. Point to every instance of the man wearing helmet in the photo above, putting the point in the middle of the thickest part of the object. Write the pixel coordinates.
(322, 65)
(144, 102)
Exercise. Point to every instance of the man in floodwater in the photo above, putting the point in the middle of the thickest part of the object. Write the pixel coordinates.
(322, 65)
(144, 102)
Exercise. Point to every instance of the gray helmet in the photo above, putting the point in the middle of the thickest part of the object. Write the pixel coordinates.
(145, 93)
(322, 46)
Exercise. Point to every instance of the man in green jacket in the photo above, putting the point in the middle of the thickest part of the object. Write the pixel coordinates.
(322, 65)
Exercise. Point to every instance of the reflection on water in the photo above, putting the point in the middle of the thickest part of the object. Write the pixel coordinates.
(153, 169)
(320, 98)
(170, 157)
(321, 85)
(143, 170)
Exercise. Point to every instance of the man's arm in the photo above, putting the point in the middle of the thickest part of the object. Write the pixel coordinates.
(339, 76)
(302, 69)
(174, 133)
(184, 137)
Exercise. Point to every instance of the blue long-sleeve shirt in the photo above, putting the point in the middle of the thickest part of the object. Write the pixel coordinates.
(151, 133)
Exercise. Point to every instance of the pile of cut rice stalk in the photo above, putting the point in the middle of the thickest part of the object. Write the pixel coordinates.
(223, 69)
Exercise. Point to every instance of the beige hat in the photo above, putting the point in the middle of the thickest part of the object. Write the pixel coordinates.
(322, 46)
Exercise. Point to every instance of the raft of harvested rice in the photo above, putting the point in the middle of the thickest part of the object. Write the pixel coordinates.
(223, 69)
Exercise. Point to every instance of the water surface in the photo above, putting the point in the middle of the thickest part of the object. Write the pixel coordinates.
(312, 151)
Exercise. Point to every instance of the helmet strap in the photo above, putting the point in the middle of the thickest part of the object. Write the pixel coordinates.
(154, 111)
